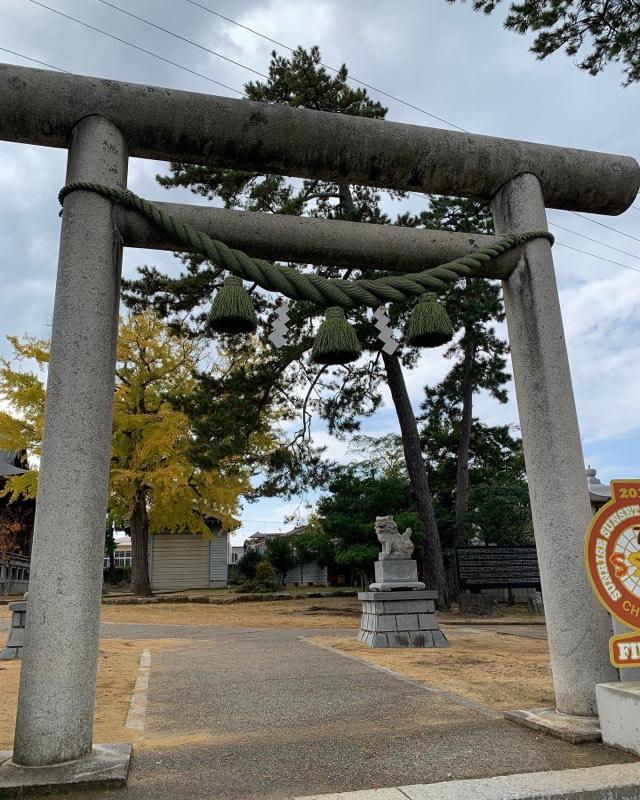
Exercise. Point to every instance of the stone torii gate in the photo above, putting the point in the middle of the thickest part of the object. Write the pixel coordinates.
(102, 123)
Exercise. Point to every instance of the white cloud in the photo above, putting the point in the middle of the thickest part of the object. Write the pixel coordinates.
(441, 57)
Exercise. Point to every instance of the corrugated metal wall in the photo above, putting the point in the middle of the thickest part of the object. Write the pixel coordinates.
(179, 561)
(307, 573)
(219, 569)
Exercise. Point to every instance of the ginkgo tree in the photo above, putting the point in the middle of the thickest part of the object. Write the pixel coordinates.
(154, 483)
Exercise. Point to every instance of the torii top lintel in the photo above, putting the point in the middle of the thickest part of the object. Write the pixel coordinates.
(41, 107)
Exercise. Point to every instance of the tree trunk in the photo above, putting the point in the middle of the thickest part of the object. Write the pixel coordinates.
(433, 566)
(462, 476)
(141, 585)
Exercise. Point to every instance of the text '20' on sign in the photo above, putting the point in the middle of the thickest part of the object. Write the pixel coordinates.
(612, 558)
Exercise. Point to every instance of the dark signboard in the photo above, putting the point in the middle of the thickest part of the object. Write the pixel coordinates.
(497, 567)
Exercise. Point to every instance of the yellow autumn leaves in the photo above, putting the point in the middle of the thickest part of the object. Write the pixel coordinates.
(151, 437)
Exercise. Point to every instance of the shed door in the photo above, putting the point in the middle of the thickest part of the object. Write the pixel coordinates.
(179, 561)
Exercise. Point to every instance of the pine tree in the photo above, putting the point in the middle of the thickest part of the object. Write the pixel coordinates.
(341, 396)
(478, 352)
(609, 29)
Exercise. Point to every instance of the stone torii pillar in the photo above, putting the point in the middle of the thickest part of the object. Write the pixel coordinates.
(58, 679)
(578, 626)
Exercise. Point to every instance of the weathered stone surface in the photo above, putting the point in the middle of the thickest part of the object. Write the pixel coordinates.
(107, 765)
(439, 639)
(571, 728)
(391, 624)
(619, 713)
(384, 622)
(420, 606)
(412, 594)
(427, 622)
(396, 571)
(578, 627)
(396, 574)
(15, 640)
(58, 678)
(421, 638)
(407, 622)
(165, 124)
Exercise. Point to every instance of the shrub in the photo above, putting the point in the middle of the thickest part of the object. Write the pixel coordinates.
(266, 580)
(119, 575)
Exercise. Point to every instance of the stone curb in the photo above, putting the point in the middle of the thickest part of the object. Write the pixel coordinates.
(610, 782)
(222, 601)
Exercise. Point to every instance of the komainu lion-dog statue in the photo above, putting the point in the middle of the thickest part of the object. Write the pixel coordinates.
(394, 544)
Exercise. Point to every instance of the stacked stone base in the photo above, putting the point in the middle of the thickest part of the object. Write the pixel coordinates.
(15, 640)
(400, 619)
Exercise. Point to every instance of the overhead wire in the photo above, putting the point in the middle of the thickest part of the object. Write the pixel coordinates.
(377, 89)
(327, 66)
(136, 47)
(34, 60)
(182, 38)
(251, 69)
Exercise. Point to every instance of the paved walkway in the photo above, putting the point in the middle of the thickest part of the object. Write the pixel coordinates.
(239, 714)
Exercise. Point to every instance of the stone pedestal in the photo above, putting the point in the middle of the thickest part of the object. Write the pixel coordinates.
(15, 640)
(396, 573)
(619, 712)
(400, 618)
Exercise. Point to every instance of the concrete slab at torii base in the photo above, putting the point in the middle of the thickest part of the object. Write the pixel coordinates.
(576, 730)
(619, 712)
(107, 766)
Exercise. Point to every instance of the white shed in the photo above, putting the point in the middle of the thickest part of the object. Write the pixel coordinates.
(179, 561)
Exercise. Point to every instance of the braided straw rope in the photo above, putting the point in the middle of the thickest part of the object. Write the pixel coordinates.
(308, 286)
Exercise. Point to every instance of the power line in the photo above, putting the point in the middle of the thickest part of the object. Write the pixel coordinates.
(595, 241)
(409, 105)
(608, 227)
(280, 44)
(593, 255)
(34, 60)
(182, 38)
(136, 47)
(328, 66)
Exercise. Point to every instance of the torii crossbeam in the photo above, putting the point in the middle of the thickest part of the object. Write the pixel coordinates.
(102, 123)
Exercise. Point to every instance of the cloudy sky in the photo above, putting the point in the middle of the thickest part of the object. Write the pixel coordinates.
(459, 66)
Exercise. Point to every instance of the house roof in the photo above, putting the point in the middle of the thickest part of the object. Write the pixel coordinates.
(274, 534)
(8, 466)
(598, 492)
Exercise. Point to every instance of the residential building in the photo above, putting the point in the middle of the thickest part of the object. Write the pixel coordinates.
(306, 573)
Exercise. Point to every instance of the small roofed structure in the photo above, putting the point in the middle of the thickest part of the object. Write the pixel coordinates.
(599, 493)
(10, 462)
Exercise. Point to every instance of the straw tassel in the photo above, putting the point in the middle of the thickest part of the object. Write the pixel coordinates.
(232, 310)
(336, 341)
(429, 324)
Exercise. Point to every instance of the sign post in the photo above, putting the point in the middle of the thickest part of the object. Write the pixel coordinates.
(612, 558)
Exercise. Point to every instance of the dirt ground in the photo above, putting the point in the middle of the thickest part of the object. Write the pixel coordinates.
(117, 672)
(503, 672)
(332, 612)
(338, 612)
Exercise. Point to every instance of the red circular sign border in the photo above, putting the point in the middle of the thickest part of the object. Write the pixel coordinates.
(589, 556)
